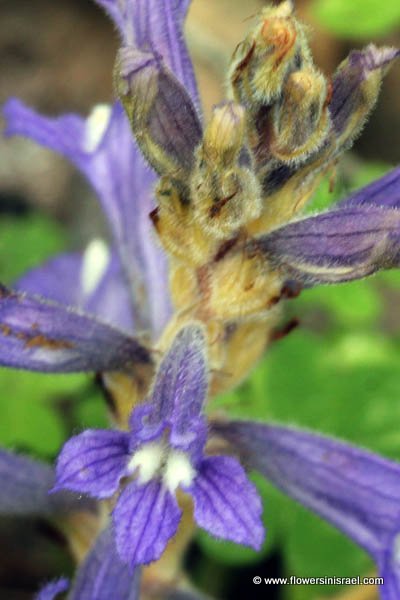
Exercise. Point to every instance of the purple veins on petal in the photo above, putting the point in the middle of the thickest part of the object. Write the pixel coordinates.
(348, 242)
(356, 86)
(145, 518)
(102, 148)
(385, 192)
(51, 590)
(93, 462)
(156, 26)
(226, 503)
(181, 383)
(45, 336)
(353, 489)
(169, 120)
(103, 576)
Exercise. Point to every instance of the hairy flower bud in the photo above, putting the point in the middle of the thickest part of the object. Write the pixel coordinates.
(160, 111)
(301, 119)
(225, 194)
(356, 86)
(269, 53)
(224, 135)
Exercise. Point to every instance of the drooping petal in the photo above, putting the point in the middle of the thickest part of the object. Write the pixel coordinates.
(51, 590)
(179, 390)
(160, 111)
(103, 576)
(45, 336)
(103, 149)
(382, 192)
(355, 88)
(226, 503)
(93, 462)
(145, 518)
(156, 26)
(339, 245)
(353, 489)
(25, 485)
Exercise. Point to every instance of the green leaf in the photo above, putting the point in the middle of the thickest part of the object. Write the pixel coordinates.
(343, 383)
(358, 18)
(30, 415)
(26, 243)
(344, 184)
(91, 412)
(315, 549)
(354, 304)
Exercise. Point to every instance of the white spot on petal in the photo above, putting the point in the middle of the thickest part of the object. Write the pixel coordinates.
(148, 460)
(96, 125)
(95, 263)
(178, 471)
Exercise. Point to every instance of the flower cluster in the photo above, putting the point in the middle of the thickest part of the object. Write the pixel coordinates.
(225, 198)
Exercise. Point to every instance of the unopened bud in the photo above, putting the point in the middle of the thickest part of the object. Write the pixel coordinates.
(301, 119)
(161, 113)
(356, 86)
(225, 194)
(269, 53)
(224, 135)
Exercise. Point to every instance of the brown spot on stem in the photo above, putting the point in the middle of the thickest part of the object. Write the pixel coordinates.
(281, 332)
(225, 247)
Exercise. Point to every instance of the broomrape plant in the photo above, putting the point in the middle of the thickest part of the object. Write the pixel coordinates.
(208, 239)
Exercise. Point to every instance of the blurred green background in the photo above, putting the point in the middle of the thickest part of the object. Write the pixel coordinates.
(338, 373)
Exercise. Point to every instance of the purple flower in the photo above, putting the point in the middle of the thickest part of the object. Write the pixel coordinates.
(25, 492)
(51, 590)
(135, 284)
(164, 451)
(353, 489)
(129, 288)
(226, 201)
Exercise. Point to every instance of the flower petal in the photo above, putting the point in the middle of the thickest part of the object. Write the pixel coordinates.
(110, 300)
(382, 192)
(226, 503)
(41, 335)
(58, 279)
(355, 89)
(179, 390)
(25, 485)
(51, 590)
(93, 462)
(156, 26)
(390, 572)
(348, 242)
(103, 576)
(145, 518)
(124, 185)
(102, 148)
(355, 490)
(160, 111)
